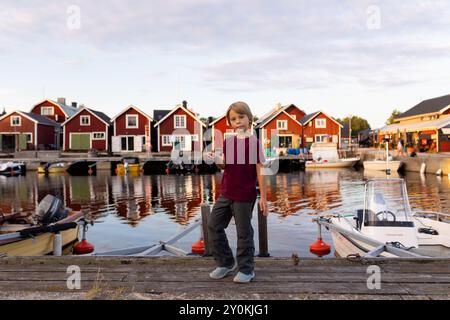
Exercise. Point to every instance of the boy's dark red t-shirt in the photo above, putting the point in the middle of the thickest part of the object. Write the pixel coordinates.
(239, 178)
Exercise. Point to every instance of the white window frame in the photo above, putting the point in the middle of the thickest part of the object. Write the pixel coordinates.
(322, 136)
(166, 141)
(51, 113)
(179, 116)
(319, 123)
(98, 139)
(282, 124)
(137, 121)
(18, 124)
(30, 135)
(194, 138)
(84, 117)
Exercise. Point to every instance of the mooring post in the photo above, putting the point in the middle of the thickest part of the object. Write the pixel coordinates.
(206, 210)
(262, 233)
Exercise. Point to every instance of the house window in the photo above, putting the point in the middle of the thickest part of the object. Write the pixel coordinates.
(47, 111)
(282, 124)
(85, 120)
(16, 121)
(179, 121)
(321, 123)
(194, 137)
(166, 141)
(132, 121)
(321, 138)
(29, 137)
(98, 136)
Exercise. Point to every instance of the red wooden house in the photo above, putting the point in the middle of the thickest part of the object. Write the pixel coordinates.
(285, 121)
(57, 111)
(319, 127)
(87, 129)
(221, 125)
(27, 131)
(180, 129)
(132, 131)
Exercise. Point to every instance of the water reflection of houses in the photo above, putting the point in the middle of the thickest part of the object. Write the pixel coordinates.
(311, 192)
(181, 196)
(18, 194)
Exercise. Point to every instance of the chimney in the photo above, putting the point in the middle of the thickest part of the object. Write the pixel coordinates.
(61, 100)
(185, 104)
(278, 106)
(74, 104)
(210, 120)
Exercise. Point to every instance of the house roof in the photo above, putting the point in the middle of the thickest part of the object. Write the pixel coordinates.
(128, 108)
(311, 116)
(273, 116)
(308, 117)
(434, 105)
(68, 110)
(189, 112)
(100, 115)
(418, 126)
(35, 118)
(159, 114)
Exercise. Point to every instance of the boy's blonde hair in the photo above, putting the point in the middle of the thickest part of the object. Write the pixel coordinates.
(241, 108)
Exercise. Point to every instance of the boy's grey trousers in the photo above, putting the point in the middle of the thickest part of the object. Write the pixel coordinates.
(220, 217)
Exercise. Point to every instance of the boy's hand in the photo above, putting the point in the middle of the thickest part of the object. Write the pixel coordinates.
(263, 206)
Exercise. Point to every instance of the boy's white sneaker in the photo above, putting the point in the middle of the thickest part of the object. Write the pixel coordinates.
(222, 272)
(243, 278)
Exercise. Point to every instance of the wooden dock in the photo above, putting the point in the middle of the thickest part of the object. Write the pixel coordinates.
(187, 278)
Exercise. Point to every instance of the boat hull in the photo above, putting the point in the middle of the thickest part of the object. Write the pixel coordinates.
(41, 244)
(338, 164)
(394, 166)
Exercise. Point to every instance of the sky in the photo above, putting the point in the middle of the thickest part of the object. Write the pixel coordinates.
(363, 58)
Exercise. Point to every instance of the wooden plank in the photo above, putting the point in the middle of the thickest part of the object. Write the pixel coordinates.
(203, 276)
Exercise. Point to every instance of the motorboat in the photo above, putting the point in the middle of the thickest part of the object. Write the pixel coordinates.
(129, 165)
(12, 168)
(339, 163)
(387, 227)
(388, 164)
(380, 165)
(54, 167)
(325, 155)
(37, 237)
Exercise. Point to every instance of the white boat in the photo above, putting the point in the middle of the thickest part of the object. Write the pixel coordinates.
(11, 168)
(388, 164)
(386, 227)
(339, 163)
(325, 155)
(380, 165)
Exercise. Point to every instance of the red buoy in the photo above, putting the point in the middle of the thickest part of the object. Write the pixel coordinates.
(320, 248)
(90, 172)
(168, 171)
(83, 247)
(198, 247)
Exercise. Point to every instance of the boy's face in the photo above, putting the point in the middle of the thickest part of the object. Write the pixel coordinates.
(239, 121)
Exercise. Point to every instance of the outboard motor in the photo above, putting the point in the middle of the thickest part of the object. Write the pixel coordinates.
(50, 210)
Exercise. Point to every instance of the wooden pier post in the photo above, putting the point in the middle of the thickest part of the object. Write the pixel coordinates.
(262, 234)
(206, 210)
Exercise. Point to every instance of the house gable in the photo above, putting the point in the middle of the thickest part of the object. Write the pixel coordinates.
(121, 121)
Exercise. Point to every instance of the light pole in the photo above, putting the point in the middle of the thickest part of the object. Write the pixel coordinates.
(349, 131)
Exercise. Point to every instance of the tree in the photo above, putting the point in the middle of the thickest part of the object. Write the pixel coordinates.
(358, 124)
(394, 115)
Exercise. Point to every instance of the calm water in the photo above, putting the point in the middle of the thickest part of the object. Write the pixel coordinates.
(142, 210)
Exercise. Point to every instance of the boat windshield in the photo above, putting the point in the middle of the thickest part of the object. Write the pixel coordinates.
(386, 201)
